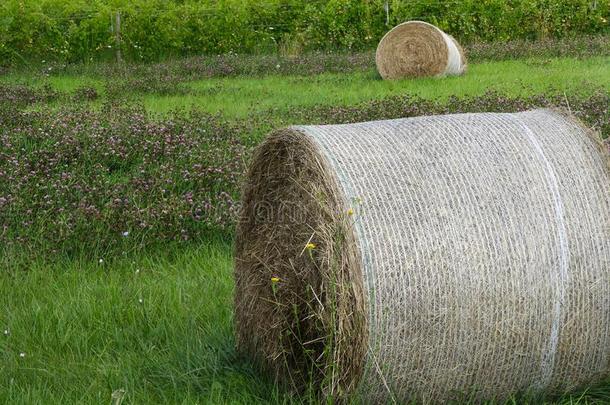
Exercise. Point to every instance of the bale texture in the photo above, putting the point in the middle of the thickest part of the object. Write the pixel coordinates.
(416, 48)
(428, 258)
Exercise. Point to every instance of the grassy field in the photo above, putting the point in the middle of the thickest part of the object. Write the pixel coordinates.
(156, 327)
(239, 97)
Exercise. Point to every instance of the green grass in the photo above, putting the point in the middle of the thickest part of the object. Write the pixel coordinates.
(60, 83)
(85, 333)
(237, 97)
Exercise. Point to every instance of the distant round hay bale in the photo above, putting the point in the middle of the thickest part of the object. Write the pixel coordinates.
(416, 48)
(428, 258)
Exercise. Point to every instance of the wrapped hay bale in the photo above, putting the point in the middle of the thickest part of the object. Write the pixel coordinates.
(416, 48)
(428, 258)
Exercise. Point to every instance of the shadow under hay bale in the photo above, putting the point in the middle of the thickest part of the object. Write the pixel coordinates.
(428, 258)
(415, 49)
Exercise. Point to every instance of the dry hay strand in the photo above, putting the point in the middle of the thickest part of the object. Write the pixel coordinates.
(415, 49)
(606, 146)
(458, 255)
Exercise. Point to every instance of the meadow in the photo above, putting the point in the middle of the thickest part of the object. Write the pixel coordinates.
(119, 190)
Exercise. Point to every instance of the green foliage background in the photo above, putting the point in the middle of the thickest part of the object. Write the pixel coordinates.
(81, 30)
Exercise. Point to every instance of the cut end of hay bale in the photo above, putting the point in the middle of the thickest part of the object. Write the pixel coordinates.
(299, 300)
(416, 49)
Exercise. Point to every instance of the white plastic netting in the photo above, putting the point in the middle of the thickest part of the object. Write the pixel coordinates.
(485, 243)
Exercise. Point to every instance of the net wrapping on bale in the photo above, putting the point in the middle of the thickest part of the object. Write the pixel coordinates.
(417, 48)
(473, 257)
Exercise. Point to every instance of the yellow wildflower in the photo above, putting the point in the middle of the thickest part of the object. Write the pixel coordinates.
(310, 246)
(350, 212)
(275, 279)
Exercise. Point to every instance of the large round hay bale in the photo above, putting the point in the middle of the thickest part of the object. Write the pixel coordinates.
(428, 258)
(416, 48)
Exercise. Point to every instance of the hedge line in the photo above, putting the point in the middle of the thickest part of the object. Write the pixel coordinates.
(82, 30)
